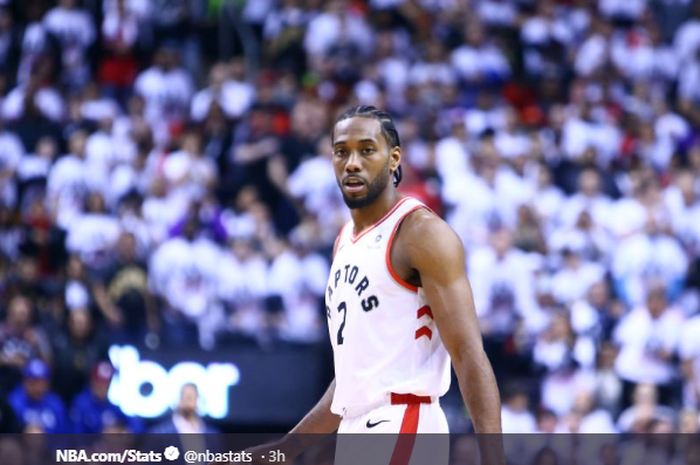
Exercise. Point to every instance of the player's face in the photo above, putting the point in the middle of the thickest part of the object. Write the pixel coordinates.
(363, 160)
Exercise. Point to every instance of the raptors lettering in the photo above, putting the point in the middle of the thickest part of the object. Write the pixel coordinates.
(349, 275)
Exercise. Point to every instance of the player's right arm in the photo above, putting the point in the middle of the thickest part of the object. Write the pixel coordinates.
(313, 428)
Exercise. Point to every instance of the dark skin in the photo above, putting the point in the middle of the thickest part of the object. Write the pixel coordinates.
(361, 153)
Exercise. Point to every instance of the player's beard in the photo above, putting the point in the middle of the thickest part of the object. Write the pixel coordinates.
(374, 190)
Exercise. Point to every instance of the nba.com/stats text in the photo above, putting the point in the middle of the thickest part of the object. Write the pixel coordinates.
(171, 453)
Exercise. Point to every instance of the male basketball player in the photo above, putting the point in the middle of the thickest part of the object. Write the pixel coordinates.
(399, 309)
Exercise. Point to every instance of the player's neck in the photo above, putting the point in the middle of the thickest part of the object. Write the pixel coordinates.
(365, 217)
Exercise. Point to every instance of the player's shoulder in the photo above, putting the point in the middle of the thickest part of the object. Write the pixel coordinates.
(423, 228)
(423, 220)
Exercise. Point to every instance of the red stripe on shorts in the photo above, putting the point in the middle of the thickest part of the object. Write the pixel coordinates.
(407, 436)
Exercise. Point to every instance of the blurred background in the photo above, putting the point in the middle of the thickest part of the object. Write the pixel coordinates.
(168, 204)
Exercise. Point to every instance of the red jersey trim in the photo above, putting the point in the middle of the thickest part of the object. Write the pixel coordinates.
(424, 331)
(425, 310)
(407, 436)
(392, 272)
(354, 238)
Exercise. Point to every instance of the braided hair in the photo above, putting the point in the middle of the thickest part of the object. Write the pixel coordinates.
(388, 129)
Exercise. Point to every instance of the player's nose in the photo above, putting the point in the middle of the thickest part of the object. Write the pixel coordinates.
(353, 164)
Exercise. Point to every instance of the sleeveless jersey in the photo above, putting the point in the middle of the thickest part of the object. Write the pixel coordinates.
(382, 331)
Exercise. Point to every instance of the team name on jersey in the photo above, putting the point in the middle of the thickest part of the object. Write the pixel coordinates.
(349, 275)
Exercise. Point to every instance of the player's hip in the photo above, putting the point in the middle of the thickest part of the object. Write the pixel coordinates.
(400, 414)
(410, 433)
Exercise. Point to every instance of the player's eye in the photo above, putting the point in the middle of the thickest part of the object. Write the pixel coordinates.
(368, 150)
(340, 152)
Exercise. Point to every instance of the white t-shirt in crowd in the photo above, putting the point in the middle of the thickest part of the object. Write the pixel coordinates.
(325, 30)
(92, 236)
(167, 93)
(235, 98)
(47, 100)
(11, 150)
(631, 9)
(487, 60)
(243, 285)
(687, 39)
(162, 213)
(68, 184)
(76, 32)
(639, 336)
(570, 284)
(504, 285)
(33, 166)
(517, 422)
(559, 389)
(642, 257)
(185, 275)
(314, 182)
(301, 282)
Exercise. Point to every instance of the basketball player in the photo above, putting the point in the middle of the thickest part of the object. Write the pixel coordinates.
(399, 309)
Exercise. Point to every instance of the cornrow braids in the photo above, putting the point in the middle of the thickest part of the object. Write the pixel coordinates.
(388, 128)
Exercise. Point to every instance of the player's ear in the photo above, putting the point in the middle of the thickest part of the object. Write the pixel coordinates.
(395, 156)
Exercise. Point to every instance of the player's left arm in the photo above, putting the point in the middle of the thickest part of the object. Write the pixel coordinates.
(431, 248)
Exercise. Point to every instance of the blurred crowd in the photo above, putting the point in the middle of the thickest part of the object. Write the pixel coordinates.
(165, 179)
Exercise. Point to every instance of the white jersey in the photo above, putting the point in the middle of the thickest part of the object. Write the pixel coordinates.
(383, 334)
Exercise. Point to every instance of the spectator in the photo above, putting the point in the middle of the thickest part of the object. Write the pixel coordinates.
(647, 257)
(166, 88)
(687, 36)
(232, 94)
(189, 173)
(682, 198)
(78, 293)
(503, 290)
(187, 424)
(515, 414)
(648, 337)
(20, 341)
(75, 31)
(479, 61)
(593, 419)
(301, 292)
(94, 233)
(91, 411)
(34, 402)
(9, 234)
(243, 287)
(11, 154)
(119, 36)
(688, 423)
(183, 275)
(122, 294)
(34, 99)
(645, 408)
(546, 421)
(567, 360)
(76, 352)
(607, 384)
(573, 281)
(68, 182)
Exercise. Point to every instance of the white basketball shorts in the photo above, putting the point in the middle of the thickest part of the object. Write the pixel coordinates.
(412, 431)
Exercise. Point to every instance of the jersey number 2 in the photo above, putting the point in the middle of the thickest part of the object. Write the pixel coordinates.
(342, 308)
